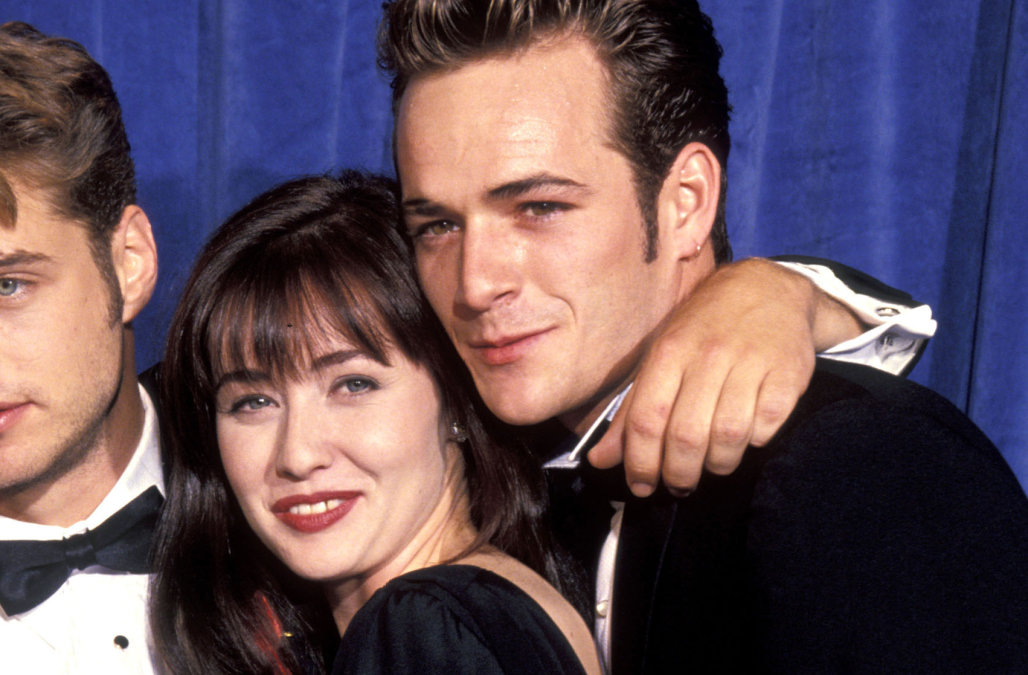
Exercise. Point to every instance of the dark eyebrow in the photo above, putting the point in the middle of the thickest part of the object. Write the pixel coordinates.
(422, 207)
(335, 358)
(521, 187)
(517, 188)
(241, 375)
(23, 258)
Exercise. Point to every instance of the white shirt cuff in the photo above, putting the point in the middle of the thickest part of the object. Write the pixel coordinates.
(897, 332)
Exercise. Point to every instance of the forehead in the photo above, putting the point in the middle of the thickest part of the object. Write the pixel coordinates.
(39, 227)
(286, 335)
(506, 114)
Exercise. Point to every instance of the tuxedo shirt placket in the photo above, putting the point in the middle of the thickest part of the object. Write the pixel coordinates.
(96, 621)
(595, 514)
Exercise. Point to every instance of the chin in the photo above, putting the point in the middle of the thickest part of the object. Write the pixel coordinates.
(517, 412)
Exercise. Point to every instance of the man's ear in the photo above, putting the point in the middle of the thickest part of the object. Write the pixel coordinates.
(687, 205)
(134, 255)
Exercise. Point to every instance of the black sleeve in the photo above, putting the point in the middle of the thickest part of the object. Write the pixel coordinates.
(414, 633)
(446, 620)
(856, 280)
(891, 538)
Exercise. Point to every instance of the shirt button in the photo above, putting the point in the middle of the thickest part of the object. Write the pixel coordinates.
(885, 312)
(602, 607)
(887, 339)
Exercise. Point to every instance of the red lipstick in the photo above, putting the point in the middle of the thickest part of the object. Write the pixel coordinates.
(314, 512)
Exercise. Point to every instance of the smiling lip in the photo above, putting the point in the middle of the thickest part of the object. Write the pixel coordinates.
(506, 350)
(313, 513)
(10, 413)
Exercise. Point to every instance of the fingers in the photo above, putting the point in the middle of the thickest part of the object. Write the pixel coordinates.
(778, 396)
(636, 435)
(731, 420)
(672, 430)
(687, 435)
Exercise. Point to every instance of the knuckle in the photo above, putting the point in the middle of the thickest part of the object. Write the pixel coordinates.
(776, 404)
(687, 438)
(647, 426)
(723, 463)
(774, 410)
(731, 431)
(714, 349)
(666, 349)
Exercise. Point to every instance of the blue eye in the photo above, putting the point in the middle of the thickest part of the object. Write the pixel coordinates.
(357, 384)
(251, 403)
(9, 287)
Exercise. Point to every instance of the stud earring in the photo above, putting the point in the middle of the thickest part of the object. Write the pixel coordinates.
(458, 434)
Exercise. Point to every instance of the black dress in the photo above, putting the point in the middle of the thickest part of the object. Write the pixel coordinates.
(453, 619)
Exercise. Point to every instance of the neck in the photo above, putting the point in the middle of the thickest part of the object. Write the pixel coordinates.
(689, 274)
(581, 419)
(445, 536)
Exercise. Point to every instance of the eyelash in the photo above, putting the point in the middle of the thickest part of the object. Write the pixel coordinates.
(422, 231)
(238, 405)
(549, 208)
(6, 282)
(366, 384)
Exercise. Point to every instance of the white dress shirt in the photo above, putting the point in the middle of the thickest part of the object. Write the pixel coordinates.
(891, 344)
(95, 622)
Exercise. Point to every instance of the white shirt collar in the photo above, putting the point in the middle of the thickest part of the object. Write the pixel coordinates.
(142, 471)
(572, 458)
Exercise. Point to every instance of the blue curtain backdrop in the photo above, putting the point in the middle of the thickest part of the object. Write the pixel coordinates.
(886, 134)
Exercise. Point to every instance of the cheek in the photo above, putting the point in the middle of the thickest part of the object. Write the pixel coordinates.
(415, 450)
(243, 461)
(437, 273)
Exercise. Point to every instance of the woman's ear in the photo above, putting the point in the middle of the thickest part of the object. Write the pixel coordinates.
(134, 255)
(688, 200)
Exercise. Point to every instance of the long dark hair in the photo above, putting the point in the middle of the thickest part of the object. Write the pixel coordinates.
(323, 253)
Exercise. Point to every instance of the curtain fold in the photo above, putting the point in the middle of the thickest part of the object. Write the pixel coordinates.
(888, 134)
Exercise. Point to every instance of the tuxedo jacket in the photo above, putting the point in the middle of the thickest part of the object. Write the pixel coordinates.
(879, 531)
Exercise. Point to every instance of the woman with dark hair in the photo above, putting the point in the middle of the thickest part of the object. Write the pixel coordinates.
(322, 434)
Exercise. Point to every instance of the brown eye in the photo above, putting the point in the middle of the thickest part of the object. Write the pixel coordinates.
(543, 209)
(436, 228)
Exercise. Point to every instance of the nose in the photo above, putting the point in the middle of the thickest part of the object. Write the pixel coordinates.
(302, 446)
(489, 266)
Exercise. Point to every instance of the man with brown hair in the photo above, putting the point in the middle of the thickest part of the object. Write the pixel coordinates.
(562, 169)
(80, 472)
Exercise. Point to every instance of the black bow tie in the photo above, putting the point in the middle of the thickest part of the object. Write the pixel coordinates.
(32, 571)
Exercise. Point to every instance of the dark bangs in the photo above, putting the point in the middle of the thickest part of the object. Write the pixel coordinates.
(312, 260)
(280, 310)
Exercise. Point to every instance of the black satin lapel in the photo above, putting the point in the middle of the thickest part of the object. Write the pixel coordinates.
(645, 529)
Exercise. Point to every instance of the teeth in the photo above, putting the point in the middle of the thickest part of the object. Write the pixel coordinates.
(315, 508)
